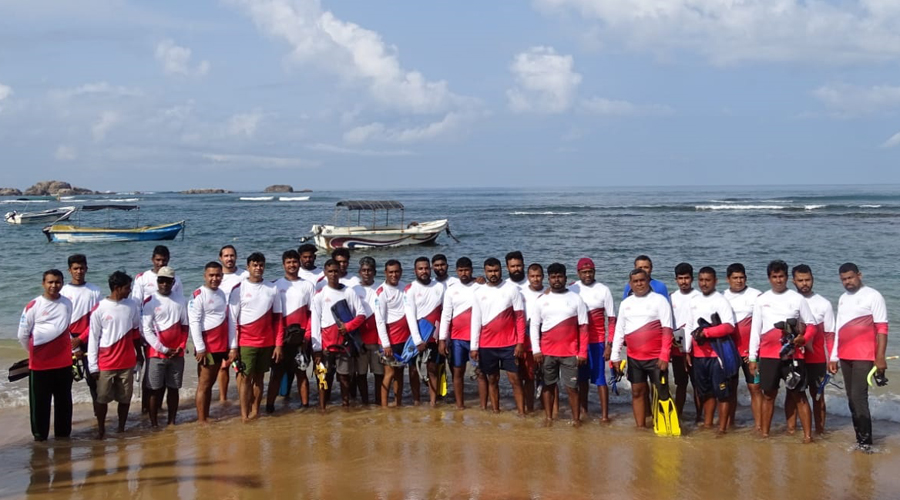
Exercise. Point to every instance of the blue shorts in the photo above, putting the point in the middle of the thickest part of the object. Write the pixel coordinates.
(459, 352)
(492, 359)
(594, 370)
(710, 379)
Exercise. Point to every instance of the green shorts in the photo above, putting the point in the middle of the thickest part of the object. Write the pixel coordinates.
(215, 359)
(257, 360)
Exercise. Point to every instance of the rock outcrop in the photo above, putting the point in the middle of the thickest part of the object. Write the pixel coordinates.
(279, 188)
(205, 191)
(55, 188)
(10, 192)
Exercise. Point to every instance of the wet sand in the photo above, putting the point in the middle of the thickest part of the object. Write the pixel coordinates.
(416, 452)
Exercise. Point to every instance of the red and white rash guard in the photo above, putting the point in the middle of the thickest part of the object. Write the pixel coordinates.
(599, 302)
(164, 323)
(704, 306)
(559, 325)
(646, 322)
(423, 302)
(44, 332)
(530, 297)
(390, 314)
(115, 326)
(208, 320)
(315, 276)
(861, 317)
(742, 305)
(84, 298)
(681, 316)
(255, 314)
(297, 299)
(231, 280)
(145, 286)
(502, 316)
(460, 314)
(369, 329)
(819, 350)
(770, 308)
(324, 327)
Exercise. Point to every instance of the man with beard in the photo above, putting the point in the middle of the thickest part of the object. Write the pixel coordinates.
(742, 298)
(424, 298)
(460, 317)
(681, 312)
(440, 266)
(296, 296)
(84, 296)
(515, 268)
(308, 269)
(527, 366)
(232, 275)
(370, 360)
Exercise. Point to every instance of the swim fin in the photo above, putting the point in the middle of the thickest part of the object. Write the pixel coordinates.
(665, 417)
(321, 371)
(443, 390)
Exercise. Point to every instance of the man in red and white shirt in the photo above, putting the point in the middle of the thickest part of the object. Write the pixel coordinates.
(213, 343)
(559, 337)
(255, 317)
(460, 316)
(710, 381)
(114, 349)
(84, 296)
(329, 333)
(681, 316)
(645, 321)
(308, 269)
(600, 309)
(501, 339)
(232, 275)
(860, 340)
(44, 333)
(424, 298)
(775, 306)
(742, 297)
(370, 360)
(817, 352)
(296, 295)
(533, 288)
(164, 323)
(393, 331)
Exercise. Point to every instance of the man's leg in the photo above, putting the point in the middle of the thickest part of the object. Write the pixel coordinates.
(517, 392)
(574, 405)
(414, 384)
(434, 381)
(172, 400)
(638, 403)
(526, 380)
(494, 391)
(385, 387)
(458, 384)
(790, 412)
(222, 378)
(767, 411)
(204, 390)
(122, 411)
(155, 397)
(275, 377)
(258, 379)
(244, 395)
(344, 380)
(855, 373)
(100, 412)
(302, 386)
(62, 403)
(802, 406)
(40, 393)
(547, 396)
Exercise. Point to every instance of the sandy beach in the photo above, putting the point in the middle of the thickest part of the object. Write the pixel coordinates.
(417, 452)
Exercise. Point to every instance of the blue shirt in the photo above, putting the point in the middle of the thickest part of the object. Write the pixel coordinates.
(655, 286)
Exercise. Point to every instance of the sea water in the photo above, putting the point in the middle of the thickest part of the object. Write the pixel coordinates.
(822, 226)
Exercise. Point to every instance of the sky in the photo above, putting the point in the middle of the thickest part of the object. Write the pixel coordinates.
(240, 94)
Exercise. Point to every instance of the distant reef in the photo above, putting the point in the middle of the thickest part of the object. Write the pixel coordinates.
(205, 191)
(10, 192)
(279, 188)
(55, 188)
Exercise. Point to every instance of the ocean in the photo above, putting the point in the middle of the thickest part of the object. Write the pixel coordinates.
(822, 226)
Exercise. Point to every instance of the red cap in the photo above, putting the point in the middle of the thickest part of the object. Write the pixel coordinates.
(585, 263)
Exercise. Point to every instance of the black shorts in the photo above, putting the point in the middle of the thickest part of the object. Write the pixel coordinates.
(639, 371)
(710, 379)
(748, 377)
(679, 374)
(772, 371)
(815, 374)
(492, 359)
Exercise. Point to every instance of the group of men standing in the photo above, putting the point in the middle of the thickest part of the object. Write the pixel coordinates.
(327, 322)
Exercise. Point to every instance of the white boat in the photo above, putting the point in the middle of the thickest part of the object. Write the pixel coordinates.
(379, 233)
(43, 216)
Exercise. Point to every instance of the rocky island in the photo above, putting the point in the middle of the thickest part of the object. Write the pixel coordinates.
(279, 188)
(55, 188)
(205, 191)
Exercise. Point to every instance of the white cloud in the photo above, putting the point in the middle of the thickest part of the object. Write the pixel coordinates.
(892, 142)
(545, 81)
(378, 132)
(66, 153)
(245, 123)
(850, 100)
(258, 161)
(733, 31)
(609, 107)
(5, 91)
(97, 89)
(107, 120)
(176, 60)
(330, 148)
(356, 54)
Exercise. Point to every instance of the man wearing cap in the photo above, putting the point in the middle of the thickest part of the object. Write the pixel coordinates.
(601, 320)
(164, 324)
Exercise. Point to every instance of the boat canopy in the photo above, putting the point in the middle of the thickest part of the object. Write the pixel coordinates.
(94, 208)
(370, 205)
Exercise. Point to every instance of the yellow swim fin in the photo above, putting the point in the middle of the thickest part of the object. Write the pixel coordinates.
(443, 382)
(320, 374)
(665, 417)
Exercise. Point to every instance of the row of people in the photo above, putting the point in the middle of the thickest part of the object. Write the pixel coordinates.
(573, 331)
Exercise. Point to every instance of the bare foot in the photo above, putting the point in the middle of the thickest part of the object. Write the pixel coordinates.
(575, 423)
(605, 420)
(791, 431)
(548, 422)
(460, 407)
(807, 439)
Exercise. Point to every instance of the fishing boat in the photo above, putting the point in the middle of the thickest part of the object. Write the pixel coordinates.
(375, 232)
(43, 216)
(64, 233)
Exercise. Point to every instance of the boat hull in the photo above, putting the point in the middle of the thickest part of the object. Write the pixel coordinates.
(71, 234)
(331, 237)
(42, 217)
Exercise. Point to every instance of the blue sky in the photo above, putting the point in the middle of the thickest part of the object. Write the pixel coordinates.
(240, 94)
